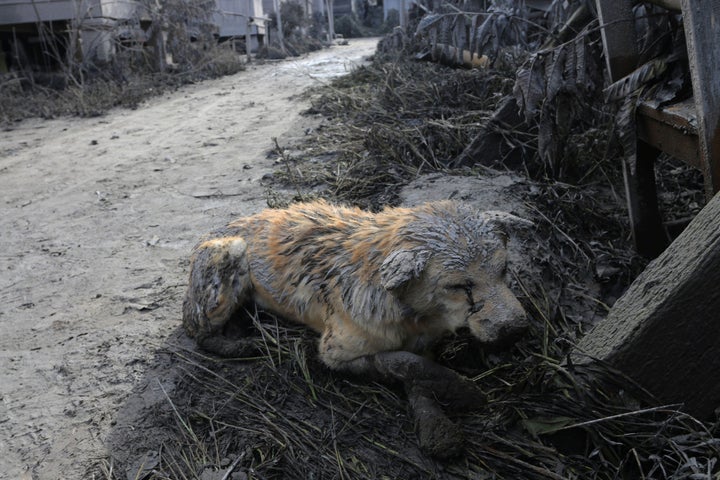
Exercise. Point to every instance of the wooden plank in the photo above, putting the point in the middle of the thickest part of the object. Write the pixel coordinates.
(701, 19)
(663, 332)
(680, 115)
(672, 129)
(618, 35)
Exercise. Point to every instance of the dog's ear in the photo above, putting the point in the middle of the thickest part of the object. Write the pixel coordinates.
(401, 266)
(504, 222)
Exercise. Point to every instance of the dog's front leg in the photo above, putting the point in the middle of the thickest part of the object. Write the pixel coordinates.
(426, 377)
(429, 387)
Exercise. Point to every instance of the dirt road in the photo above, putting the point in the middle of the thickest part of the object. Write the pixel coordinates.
(98, 217)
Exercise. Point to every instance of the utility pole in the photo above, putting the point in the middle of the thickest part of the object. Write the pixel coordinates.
(331, 20)
(248, 38)
(281, 39)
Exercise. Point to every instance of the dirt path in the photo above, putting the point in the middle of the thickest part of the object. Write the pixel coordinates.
(98, 216)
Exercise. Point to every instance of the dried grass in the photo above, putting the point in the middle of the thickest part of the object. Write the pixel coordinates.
(282, 415)
(395, 120)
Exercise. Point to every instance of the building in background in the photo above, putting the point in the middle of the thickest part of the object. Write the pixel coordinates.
(45, 33)
(235, 17)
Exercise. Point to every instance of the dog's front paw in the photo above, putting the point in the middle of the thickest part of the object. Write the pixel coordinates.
(458, 393)
(437, 435)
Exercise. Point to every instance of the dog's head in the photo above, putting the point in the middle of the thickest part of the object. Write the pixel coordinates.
(454, 272)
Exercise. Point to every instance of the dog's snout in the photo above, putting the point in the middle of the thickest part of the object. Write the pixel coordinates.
(517, 326)
(499, 318)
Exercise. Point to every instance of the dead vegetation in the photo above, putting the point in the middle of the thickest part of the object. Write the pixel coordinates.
(283, 415)
(300, 33)
(68, 84)
(72, 85)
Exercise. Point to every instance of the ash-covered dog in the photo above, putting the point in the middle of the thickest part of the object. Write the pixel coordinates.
(379, 288)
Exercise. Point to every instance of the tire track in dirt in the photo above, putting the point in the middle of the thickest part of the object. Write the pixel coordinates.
(98, 216)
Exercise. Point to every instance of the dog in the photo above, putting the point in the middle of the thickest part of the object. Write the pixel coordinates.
(379, 288)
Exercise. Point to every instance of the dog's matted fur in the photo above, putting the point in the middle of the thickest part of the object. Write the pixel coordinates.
(367, 282)
(370, 284)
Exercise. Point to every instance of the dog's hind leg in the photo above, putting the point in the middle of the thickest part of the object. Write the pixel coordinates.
(219, 286)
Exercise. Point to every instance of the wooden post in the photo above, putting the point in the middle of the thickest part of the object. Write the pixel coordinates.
(641, 191)
(701, 19)
(663, 332)
(157, 40)
(248, 38)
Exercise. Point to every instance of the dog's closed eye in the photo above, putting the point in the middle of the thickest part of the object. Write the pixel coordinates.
(464, 286)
